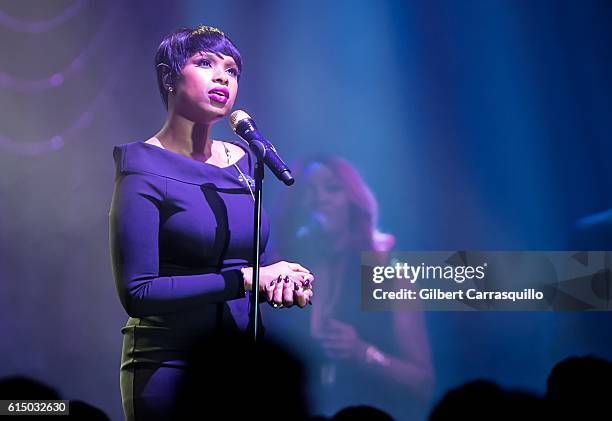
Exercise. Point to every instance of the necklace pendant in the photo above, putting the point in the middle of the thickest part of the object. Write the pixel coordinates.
(248, 180)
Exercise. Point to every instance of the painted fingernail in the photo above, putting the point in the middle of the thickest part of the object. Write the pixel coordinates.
(286, 279)
(272, 283)
(296, 287)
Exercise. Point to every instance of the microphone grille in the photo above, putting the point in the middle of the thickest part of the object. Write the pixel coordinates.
(236, 117)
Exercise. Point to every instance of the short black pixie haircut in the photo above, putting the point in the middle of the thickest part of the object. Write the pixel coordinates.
(178, 46)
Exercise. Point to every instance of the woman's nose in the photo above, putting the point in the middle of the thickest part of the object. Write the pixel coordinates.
(221, 77)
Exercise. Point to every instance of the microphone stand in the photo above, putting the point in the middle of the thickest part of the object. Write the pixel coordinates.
(260, 152)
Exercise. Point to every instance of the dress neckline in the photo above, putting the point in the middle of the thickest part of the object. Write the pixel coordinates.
(167, 151)
(144, 158)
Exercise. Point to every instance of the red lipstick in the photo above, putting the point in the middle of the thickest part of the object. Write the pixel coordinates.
(219, 94)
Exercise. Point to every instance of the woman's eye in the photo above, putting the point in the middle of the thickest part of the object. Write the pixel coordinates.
(204, 63)
(233, 71)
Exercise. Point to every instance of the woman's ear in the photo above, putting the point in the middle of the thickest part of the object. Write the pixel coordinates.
(166, 76)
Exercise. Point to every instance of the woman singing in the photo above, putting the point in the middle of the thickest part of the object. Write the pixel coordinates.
(181, 226)
(354, 357)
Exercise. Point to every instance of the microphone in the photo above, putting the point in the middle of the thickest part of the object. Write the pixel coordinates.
(315, 227)
(243, 125)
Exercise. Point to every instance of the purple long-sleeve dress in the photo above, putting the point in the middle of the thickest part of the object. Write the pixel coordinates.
(180, 230)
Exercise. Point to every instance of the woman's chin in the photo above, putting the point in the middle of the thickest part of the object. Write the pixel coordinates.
(210, 114)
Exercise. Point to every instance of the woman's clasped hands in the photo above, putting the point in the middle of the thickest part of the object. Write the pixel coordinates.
(283, 284)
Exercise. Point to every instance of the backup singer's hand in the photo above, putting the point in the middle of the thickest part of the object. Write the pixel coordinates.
(283, 283)
(342, 341)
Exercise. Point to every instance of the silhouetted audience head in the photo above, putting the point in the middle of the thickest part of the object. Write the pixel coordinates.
(580, 388)
(361, 413)
(484, 400)
(20, 387)
(83, 411)
(231, 377)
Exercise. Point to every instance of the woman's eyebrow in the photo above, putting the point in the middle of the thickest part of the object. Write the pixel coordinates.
(203, 54)
(229, 61)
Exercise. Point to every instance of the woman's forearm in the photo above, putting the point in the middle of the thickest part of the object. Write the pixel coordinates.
(417, 377)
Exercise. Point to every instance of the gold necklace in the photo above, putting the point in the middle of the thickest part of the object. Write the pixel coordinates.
(244, 178)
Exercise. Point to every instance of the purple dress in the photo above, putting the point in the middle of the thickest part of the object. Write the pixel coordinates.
(180, 230)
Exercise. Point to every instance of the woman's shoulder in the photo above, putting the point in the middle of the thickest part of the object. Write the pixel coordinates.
(143, 157)
(123, 148)
(121, 151)
(127, 154)
(147, 158)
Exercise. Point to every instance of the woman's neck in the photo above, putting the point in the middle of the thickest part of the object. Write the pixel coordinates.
(185, 137)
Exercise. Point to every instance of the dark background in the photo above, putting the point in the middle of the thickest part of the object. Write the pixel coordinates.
(477, 124)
